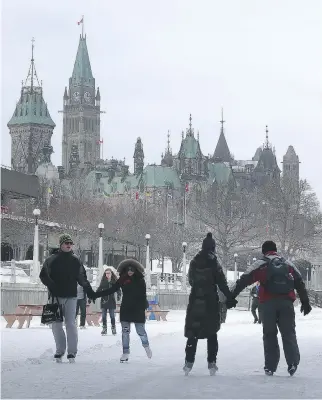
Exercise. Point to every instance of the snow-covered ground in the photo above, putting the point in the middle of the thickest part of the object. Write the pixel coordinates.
(29, 372)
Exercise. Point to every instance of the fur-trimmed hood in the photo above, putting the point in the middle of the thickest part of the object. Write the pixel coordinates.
(130, 262)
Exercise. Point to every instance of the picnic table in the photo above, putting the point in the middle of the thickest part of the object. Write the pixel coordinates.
(25, 312)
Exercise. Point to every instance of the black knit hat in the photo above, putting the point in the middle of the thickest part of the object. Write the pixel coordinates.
(209, 243)
(269, 245)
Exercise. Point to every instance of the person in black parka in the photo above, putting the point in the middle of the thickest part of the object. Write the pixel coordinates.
(134, 303)
(108, 303)
(203, 311)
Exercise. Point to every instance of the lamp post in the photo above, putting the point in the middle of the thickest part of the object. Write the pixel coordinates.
(307, 277)
(147, 262)
(184, 266)
(235, 270)
(100, 254)
(254, 259)
(35, 258)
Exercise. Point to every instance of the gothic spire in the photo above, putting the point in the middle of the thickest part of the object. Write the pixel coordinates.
(266, 145)
(32, 77)
(82, 72)
(222, 153)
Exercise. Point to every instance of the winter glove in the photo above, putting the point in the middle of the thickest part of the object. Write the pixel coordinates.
(306, 308)
(231, 303)
(91, 294)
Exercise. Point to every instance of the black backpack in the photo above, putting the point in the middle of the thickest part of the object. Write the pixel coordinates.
(279, 280)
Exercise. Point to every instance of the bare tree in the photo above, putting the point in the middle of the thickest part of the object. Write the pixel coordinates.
(293, 217)
(231, 215)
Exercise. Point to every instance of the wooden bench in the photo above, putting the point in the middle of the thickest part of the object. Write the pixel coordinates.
(92, 318)
(21, 318)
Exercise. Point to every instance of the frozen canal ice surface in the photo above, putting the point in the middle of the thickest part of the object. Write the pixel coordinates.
(28, 370)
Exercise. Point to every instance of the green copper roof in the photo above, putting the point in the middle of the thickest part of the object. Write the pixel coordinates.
(82, 71)
(119, 186)
(219, 172)
(31, 109)
(159, 176)
(190, 147)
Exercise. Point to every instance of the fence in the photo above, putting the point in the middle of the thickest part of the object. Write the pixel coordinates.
(13, 294)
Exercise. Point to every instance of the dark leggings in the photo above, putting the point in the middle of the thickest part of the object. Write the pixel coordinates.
(212, 349)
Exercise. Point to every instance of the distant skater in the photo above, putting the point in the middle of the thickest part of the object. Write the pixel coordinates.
(108, 303)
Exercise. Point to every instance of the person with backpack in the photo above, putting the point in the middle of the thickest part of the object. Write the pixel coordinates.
(134, 303)
(61, 272)
(255, 304)
(203, 317)
(108, 303)
(279, 278)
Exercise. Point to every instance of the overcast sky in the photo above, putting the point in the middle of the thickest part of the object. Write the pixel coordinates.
(157, 61)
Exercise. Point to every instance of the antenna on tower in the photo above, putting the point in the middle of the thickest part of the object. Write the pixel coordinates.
(222, 120)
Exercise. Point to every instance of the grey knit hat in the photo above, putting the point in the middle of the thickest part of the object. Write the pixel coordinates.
(65, 237)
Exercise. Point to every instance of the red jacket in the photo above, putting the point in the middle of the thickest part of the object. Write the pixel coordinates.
(258, 272)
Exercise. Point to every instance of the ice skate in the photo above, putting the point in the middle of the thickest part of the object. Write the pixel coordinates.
(71, 358)
(292, 369)
(113, 330)
(82, 327)
(104, 331)
(212, 366)
(148, 351)
(124, 358)
(58, 358)
(187, 368)
(268, 372)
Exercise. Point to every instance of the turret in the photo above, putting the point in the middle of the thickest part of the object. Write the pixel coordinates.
(138, 157)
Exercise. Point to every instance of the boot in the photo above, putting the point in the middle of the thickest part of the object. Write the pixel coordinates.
(212, 366)
(124, 358)
(292, 369)
(113, 330)
(148, 351)
(104, 331)
(187, 367)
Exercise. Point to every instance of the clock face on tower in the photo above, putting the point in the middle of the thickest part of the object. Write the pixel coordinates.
(76, 96)
(87, 97)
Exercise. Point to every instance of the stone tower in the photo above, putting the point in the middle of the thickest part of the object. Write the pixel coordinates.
(291, 169)
(31, 126)
(81, 126)
(138, 157)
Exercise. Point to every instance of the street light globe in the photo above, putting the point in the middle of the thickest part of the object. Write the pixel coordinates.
(235, 255)
(101, 226)
(148, 236)
(36, 212)
(184, 244)
(254, 259)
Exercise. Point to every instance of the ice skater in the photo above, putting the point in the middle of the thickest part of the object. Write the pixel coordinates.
(279, 278)
(108, 303)
(133, 305)
(203, 318)
(255, 304)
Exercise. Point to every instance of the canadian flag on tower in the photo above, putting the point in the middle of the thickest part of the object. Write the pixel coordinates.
(81, 21)
(187, 187)
(100, 141)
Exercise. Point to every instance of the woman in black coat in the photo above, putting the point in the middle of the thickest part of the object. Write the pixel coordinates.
(108, 303)
(134, 303)
(203, 311)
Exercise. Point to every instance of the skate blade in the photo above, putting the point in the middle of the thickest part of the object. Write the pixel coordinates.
(212, 371)
(58, 360)
(186, 371)
(71, 361)
(124, 361)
